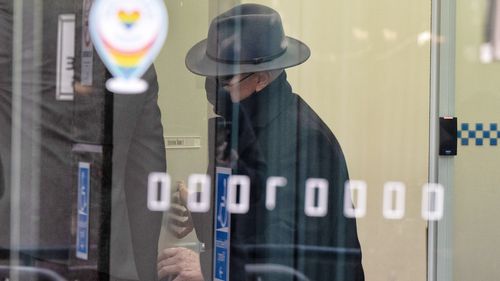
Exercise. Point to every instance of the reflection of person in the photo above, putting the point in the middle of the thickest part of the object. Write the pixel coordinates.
(138, 150)
(179, 263)
(272, 132)
(178, 217)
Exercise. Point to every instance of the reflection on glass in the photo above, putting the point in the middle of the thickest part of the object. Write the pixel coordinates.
(265, 130)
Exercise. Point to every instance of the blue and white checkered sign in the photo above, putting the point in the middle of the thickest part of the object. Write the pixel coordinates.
(479, 134)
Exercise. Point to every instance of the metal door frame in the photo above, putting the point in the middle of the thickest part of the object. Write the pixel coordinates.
(442, 103)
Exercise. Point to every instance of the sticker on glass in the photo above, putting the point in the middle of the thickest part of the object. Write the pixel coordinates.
(128, 35)
(83, 219)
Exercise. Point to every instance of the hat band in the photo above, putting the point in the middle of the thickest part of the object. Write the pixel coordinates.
(252, 61)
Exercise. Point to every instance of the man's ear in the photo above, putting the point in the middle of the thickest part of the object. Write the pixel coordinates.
(263, 79)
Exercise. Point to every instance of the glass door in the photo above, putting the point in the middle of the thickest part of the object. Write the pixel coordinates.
(467, 247)
(314, 113)
(367, 79)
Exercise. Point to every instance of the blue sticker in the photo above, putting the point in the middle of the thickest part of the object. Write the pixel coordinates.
(222, 223)
(82, 234)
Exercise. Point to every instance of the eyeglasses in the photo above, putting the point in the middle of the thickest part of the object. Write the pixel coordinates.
(225, 80)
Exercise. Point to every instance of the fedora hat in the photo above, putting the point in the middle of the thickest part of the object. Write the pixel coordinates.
(247, 38)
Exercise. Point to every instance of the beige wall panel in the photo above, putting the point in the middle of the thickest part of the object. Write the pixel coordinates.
(368, 78)
(182, 98)
(476, 228)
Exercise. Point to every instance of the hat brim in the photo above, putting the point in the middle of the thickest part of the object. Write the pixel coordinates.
(199, 63)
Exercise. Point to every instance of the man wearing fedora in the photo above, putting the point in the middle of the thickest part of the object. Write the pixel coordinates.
(266, 130)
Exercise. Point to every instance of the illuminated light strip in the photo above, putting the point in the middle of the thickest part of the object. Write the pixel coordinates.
(159, 189)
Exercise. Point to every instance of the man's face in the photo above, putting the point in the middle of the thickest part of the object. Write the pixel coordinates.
(239, 86)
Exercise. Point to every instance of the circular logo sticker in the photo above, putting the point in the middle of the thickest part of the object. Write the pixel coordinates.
(128, 35)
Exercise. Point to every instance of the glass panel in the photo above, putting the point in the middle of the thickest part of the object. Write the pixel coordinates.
(476, 178)
(367, 79)
(289, 158)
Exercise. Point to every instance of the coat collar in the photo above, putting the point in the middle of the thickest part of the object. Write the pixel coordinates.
(262, 107)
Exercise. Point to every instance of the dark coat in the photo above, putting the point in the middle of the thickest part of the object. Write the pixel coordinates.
(280, 135)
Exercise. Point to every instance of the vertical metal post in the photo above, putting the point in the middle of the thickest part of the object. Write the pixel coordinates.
(444, 255)
(26, 131)
(442, 83)
(36, 117)
(15, 188)
(104, 262)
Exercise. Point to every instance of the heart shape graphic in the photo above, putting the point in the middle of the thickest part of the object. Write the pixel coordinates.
(129, 18)
(129, 40)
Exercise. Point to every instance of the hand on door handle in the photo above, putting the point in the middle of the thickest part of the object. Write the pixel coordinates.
(180, 222)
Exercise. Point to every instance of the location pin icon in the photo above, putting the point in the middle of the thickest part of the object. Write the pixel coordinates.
(128, 35)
